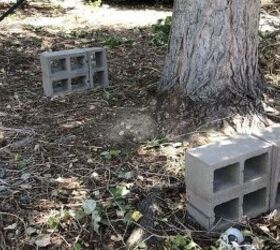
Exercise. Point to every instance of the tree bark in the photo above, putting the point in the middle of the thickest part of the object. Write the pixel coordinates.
(213, 51)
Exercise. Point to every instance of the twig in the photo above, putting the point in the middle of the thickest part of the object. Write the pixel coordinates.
(149, 237)
(270, 45)
(24, 131)
(15, 216)
(148, 231)
(269, 235)
(66, 242)
(69, 145)
(115, 231)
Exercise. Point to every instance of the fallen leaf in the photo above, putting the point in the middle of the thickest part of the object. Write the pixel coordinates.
(30, 230)
(136, 216)
(258, 244)
(11, 227)
(67, 183)
(89, 206)
(264, 228)
(126, 175)
(37, 148)
(43, 240)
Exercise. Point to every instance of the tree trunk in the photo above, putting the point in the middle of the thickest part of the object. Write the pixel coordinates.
(213, 51)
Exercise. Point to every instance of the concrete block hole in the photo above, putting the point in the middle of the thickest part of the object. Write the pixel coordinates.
(99, 78)
(226, 177)
(278, 196)
(254, 201)
(60, 86)
(255, 167)
(229, 211)
(77, 62)
(58, 65)
(79, 82)
(99, 59)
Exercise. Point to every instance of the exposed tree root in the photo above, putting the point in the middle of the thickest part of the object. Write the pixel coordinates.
(239, 115)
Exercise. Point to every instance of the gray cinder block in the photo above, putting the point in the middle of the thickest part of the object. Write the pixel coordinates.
(73, 70)
(224, 179)
(272, 135)
(98, 69)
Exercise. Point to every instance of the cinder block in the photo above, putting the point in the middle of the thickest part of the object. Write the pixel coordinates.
(73, 70)
(223, 180)
(272, 136)
(221, 167)
(214, 215)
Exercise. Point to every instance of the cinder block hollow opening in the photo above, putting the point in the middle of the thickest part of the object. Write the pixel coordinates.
(60, 86)
(278, 195)
(255, 167)
(58, 65)
(99, 78)
(254, 201)
(77, 62)
(99, 59)
(229, 211)
(226, 177)
(79, 82)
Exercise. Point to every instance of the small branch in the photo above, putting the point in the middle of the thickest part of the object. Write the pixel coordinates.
(113, 228)
(15, 216)
(23, 131)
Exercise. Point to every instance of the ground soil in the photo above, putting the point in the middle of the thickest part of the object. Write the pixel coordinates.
(56, 153)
